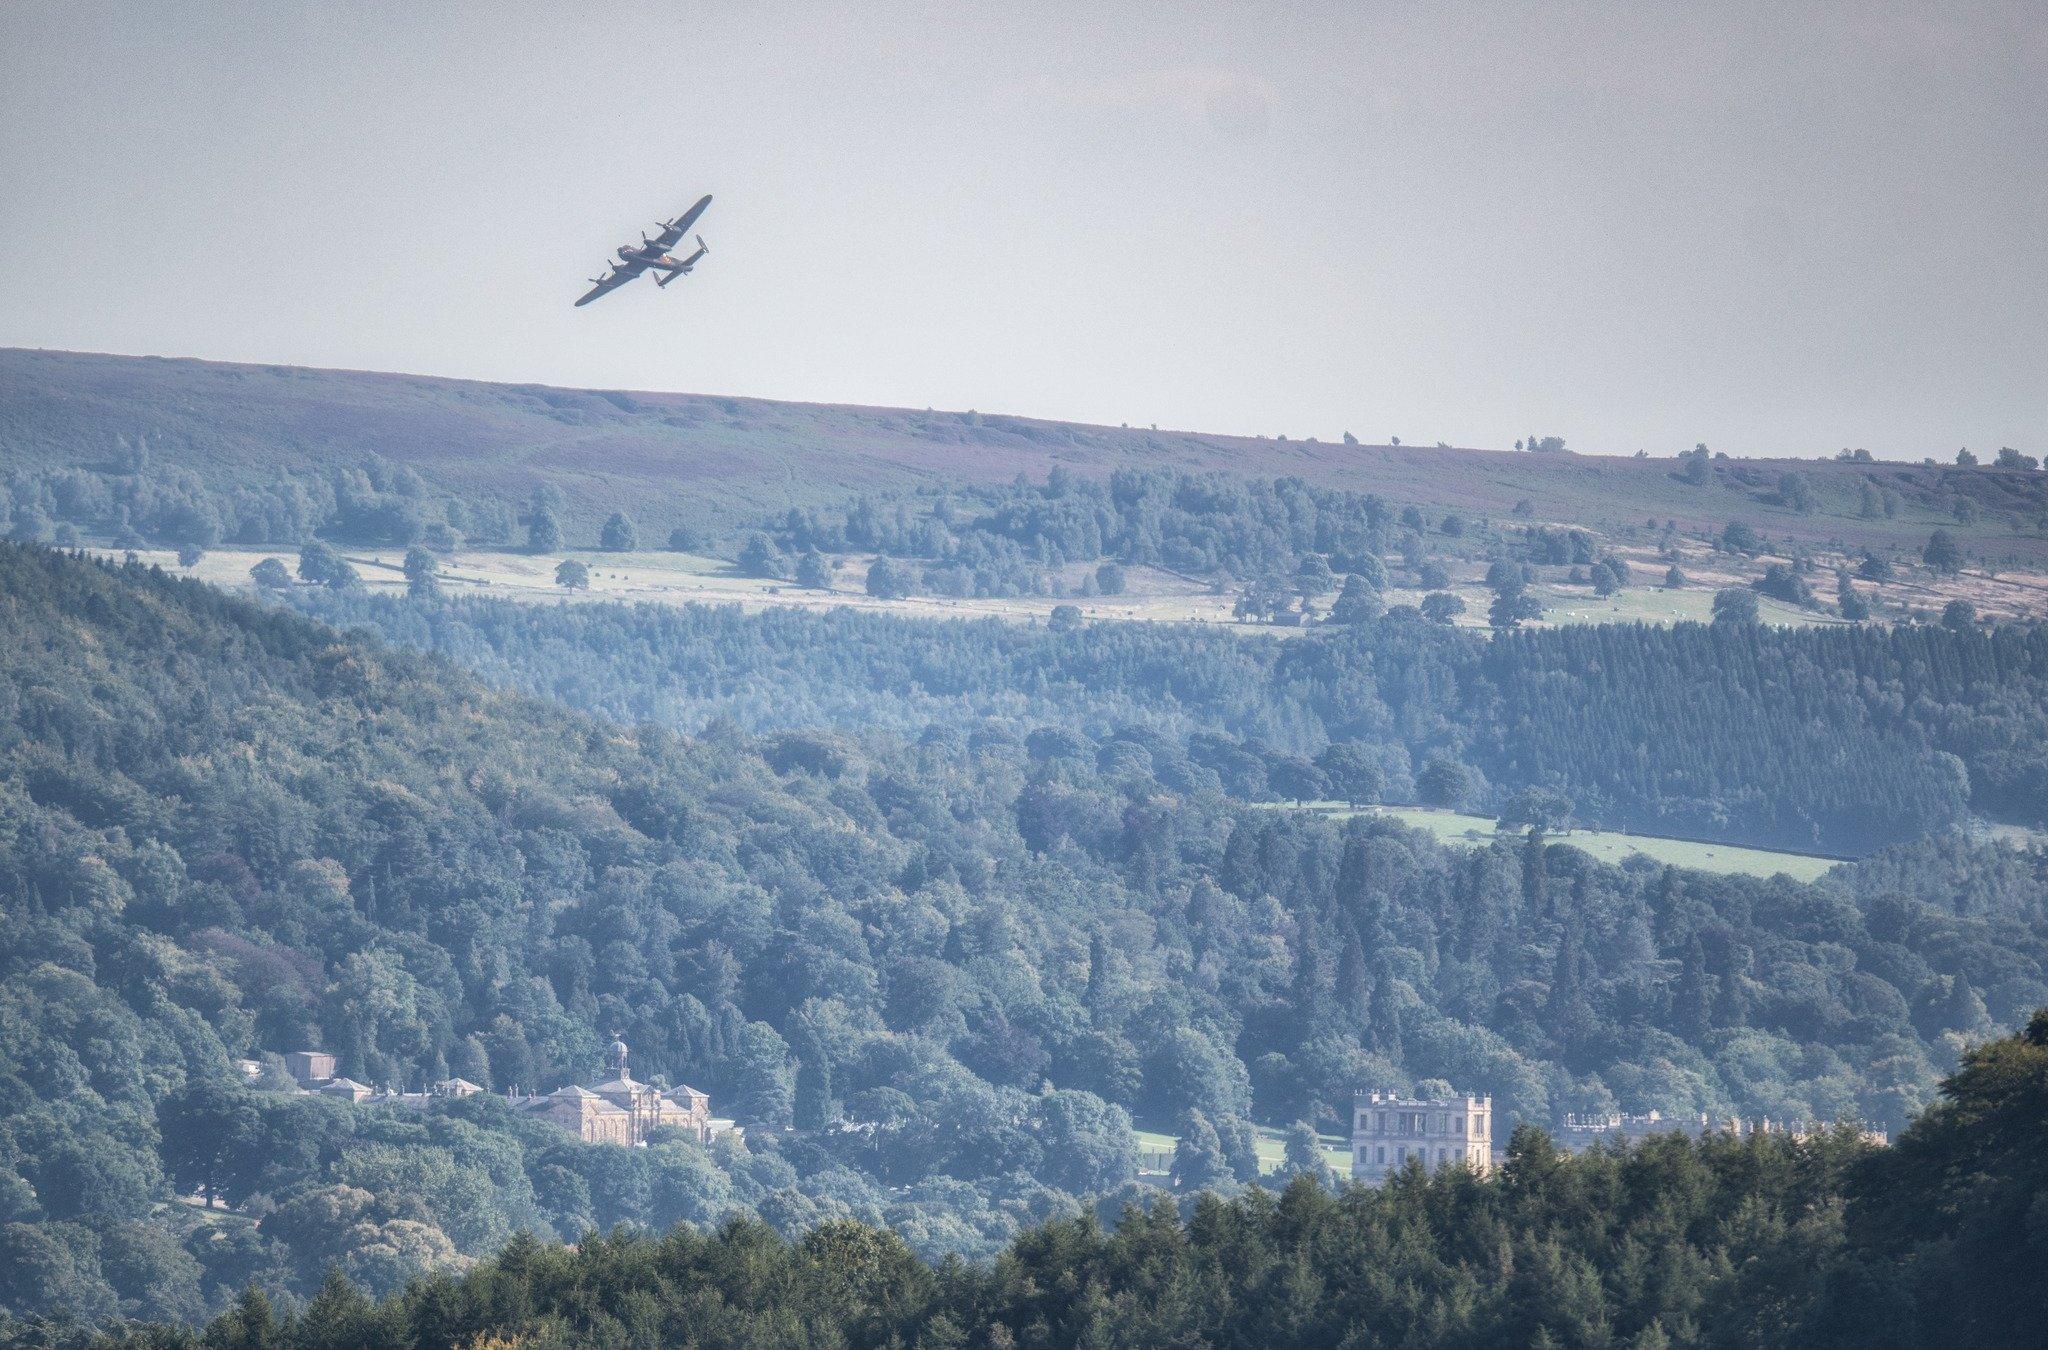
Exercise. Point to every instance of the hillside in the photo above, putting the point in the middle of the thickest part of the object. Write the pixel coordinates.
(1765, 1241)
(718, 463)
(227, 831)
(1838, 739)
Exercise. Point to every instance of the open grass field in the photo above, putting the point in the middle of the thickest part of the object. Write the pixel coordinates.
(1155, 1152)
(685, 578)
(1153, 596)
(1612, 846)
(719, 463)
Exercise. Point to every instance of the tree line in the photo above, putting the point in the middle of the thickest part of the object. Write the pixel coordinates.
(1763, 1241)
(1837, 740)
(940, 978)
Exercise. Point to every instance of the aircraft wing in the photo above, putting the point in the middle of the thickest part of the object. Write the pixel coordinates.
(619, 277)
(673, 232)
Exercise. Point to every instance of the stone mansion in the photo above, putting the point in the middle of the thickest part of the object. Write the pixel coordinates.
(1388, 1130)
(618, 1110)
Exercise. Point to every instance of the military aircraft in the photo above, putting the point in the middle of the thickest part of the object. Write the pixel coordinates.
(652, 254)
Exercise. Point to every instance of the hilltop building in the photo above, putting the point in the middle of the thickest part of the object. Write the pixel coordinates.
(622, 1111)
(616, 1111)
(310, 1068)
(1576, 1133)
(1388, 1129)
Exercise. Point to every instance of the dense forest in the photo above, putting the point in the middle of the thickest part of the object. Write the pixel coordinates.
(132, 500)
(1764, 1241)
(1836, 740)
(1284, 534)
(939, 978)
(996, 541)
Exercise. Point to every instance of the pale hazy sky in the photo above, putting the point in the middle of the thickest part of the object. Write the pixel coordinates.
(1774, 227)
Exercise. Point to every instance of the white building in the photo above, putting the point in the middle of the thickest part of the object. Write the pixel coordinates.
(1389, 1130)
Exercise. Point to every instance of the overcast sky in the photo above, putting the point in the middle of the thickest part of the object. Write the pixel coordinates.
(1773, 227)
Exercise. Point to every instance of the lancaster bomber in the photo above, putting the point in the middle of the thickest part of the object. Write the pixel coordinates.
(652, 254)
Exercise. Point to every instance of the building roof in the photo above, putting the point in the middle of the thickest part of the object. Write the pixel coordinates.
(583, 1099)
(342, 1085)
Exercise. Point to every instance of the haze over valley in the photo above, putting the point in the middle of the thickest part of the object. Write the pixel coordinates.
(1333, 677)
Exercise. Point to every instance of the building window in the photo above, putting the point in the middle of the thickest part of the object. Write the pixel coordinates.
(1457, 1124)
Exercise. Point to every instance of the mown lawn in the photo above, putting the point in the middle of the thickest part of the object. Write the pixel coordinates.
(1155, 1151)
(1453, 827)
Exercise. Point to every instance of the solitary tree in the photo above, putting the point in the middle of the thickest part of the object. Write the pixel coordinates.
(422, 574)
(1198, 1158)
(1739, 536)
(1267, 598)
(1297, 780)
(813, 572)
(759, 558)
(1443, 782)
(1942, 553)
(1959, 616)
(888, 580)
(1544, 810)
(618, 535)
(1795, 492)
(322, 565)
(1853, 606)
(1304, 1157)
(1511, 606)
(317, 562)
(543, 531)
(1313, 577)
(1735, 605)
(270, 575)
(572, 575)
(1358, 602)
(1370, 570)
(1109, 578)
(1353, 773)
(1441, 606)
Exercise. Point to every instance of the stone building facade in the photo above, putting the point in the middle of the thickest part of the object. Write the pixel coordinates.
(1389, 1129)
(622, 1111)
(1575, 1133)
(618, 1110)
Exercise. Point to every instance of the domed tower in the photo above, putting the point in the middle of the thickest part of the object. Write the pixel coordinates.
(615, 1060)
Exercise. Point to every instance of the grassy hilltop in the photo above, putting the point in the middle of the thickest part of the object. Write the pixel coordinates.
(717, 463)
